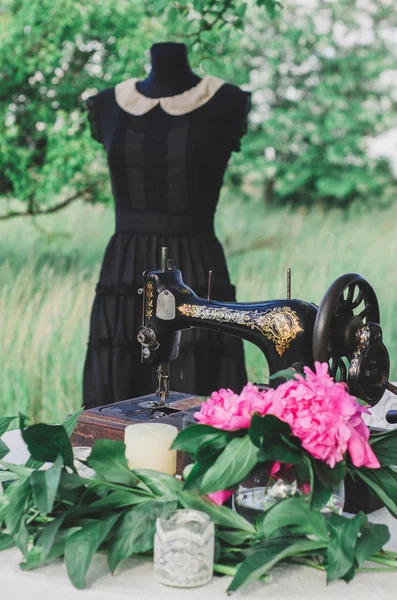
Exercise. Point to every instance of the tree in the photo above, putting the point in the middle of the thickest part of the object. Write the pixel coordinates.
(322, 88)
(54, 54)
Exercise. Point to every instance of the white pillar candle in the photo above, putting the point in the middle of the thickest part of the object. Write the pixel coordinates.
(147, 446)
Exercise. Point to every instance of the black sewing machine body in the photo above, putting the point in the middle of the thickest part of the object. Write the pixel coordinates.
(282, 329)
(343, 331)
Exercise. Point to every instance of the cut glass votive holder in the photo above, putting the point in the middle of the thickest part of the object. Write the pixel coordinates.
(184, 549)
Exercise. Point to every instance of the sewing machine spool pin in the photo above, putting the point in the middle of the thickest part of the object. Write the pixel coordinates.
(164, 257)
(289, 283)
(210, 274)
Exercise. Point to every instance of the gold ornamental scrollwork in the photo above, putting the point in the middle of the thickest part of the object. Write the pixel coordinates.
(183, 290)
(149, 299)
(280, 325)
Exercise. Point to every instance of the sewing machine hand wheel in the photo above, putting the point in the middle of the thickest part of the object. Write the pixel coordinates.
(348, 336)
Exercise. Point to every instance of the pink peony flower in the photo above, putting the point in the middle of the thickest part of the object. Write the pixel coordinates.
(227, 410)
(320, 412)
(220, 497)
(275, 468)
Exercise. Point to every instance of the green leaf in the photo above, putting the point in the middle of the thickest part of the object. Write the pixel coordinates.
(319, 495)
(48, 534)
(19, 495)
(292, 511)
(330, 477)
(21, 537)
(165, 486)
(196, 474)
(37, 556)
(72, 481)
(19, 470)
(32, 559)
(221, 515)
(286, 374)
(69, 424)
(262, 560)
(341, 546)
(6, 541)
(212, 449)
(234, 537)
(5, 422)
(231, 467)
(44, 486)
(108, 460)
(373, 538)
(385, 447)
(379, 434)
(172, 15)
(45, 442)
(241, 10)
(116, 499)
(383, 483)
(135, 531)
(4, 449)
(71, 421)
(82, 545)
(33, 464)
(275, 439)
(194, 437)
(266, 428)
(7, 476)
(72, 486)
(59, 545)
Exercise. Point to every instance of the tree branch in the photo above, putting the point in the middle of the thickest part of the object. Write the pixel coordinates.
(30, 212)
(209, 26)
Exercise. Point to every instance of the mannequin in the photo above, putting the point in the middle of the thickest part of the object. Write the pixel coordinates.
(168, 140)
(170, 74)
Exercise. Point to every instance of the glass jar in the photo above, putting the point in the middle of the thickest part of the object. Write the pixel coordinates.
(184, 548)
(261, 490)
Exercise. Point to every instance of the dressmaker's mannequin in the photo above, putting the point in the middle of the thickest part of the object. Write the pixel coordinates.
(170, 74)
(168, 140)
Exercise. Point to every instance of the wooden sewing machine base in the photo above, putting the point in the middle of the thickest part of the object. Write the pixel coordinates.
(109, 421)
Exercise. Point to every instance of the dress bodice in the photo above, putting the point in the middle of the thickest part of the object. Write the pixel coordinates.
(167, 157)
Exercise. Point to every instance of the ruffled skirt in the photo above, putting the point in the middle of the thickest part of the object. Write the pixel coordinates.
(207, 360)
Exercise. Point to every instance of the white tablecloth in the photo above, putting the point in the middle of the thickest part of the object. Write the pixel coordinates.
(134, 578)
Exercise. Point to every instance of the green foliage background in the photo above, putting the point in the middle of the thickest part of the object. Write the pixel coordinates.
(315, 69)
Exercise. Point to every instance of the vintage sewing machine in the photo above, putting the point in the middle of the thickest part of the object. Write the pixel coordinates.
(343, 331)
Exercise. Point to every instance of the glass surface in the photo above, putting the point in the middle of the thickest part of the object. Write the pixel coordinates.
(184, 549)
(260, 492)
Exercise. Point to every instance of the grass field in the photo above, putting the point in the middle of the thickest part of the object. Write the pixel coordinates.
(49, 268)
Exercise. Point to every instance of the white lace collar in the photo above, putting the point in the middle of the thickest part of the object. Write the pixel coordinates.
(135, 103)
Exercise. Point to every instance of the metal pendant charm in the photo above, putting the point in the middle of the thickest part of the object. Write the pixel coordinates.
(165, 308)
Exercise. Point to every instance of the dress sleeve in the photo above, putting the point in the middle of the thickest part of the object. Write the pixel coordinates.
(239, 126)
(93, 118)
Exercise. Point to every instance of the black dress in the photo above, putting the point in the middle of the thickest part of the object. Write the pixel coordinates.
(166, 171)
